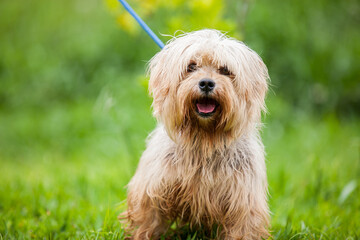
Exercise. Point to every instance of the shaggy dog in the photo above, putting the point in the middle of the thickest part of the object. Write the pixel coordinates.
(204, 164)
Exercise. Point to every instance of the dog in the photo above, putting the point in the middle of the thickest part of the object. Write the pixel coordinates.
(204, 164)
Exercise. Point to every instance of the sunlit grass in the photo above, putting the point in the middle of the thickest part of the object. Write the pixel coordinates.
(313, 171)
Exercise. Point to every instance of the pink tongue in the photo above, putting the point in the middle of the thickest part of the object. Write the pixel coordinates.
(205, 107)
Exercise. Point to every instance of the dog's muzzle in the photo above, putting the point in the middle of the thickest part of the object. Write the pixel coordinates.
(206, 105)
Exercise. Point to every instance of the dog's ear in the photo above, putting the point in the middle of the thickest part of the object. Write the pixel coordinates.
(258, 77)
(251, 77)
(159, 85)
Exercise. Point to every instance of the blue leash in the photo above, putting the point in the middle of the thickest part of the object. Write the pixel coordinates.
(142, 24)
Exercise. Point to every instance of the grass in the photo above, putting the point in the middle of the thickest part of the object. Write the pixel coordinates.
(74, 115)
(63, 192)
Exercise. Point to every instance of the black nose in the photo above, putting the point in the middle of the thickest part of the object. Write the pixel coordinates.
(206, 85)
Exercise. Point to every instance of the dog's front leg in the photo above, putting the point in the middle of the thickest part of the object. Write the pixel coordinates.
(146, 220)
(249, 222)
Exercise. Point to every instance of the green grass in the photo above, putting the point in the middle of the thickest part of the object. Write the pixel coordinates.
(313, 170)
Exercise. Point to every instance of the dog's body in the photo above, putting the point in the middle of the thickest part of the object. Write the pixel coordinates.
(204, 164)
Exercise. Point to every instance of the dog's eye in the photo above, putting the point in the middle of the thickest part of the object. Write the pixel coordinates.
(191, 67)
(224, 71)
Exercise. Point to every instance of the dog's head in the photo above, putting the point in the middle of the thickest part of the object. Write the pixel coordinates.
(206, 84)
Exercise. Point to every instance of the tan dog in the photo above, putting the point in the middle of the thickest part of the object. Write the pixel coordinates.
(204, 163)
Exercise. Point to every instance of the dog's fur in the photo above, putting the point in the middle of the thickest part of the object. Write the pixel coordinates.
(204, 171)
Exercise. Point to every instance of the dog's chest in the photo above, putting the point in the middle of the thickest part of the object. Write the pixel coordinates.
(198, 189)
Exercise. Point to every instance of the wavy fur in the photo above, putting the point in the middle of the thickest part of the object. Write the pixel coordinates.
(205, 172)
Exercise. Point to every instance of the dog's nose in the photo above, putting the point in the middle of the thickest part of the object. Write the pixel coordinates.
(206, 85)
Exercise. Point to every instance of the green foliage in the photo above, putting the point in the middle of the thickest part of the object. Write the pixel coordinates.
(74, 112)
(167, 17)
(312, 49)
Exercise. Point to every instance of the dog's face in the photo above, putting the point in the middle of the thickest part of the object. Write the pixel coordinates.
(204, 83)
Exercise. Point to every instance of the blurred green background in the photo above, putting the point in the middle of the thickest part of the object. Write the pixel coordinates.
(74, 110)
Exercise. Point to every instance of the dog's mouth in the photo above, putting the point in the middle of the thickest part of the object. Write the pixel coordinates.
(206, 107)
